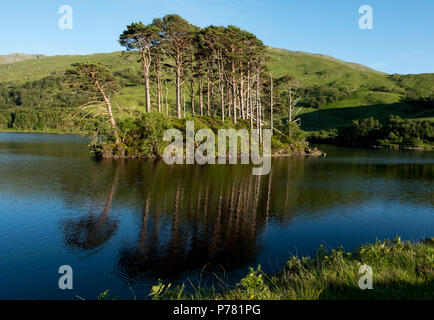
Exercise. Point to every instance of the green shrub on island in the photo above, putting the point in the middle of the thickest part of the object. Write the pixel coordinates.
(141, 136)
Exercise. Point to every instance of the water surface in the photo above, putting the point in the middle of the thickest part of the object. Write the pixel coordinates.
(122, 225)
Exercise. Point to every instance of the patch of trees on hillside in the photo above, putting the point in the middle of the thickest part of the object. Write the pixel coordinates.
(396, 132)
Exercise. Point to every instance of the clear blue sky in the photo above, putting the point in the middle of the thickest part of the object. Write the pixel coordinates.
(402, 40)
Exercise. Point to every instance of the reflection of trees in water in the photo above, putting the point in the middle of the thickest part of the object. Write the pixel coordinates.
(213, 222)
(191, 216)
(93, 230)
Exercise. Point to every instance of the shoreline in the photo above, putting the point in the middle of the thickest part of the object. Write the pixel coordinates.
(42, 132)
(397, 147)
(275, 155)
(333, 275)
(313, 153)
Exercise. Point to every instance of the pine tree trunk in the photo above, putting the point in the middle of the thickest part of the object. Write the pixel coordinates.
(192, 97)
(258, 106)
(200, 94)
(243, 113)
(178, 87)
(234, 94)
(146, 78)
(208, 96)
(159, 86)
(147, 88)
(109, 109)
(271, 104)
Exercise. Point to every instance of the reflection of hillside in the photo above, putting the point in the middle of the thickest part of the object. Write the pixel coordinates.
(314, 187)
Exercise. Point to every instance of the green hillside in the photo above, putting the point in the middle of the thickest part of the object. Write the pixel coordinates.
(310, 69)
(336, 92)
(316, 69)
(34, 69)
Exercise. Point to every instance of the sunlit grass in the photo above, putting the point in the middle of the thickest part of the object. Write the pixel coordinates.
(401, 270)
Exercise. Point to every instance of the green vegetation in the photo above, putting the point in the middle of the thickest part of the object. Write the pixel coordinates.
(141, 136)
(393, 133)
(401, 270)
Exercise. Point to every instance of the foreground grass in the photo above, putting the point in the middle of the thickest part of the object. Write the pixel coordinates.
(401, 270)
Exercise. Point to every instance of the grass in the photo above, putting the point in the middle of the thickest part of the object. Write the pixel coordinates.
(401, 270)
(315, 69)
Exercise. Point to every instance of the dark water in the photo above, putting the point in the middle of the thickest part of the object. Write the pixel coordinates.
(129, 223)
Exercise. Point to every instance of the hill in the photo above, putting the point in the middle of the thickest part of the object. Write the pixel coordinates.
(317, 69)
(17, 57)
(309, 68)
(38, 68)
(335, 92)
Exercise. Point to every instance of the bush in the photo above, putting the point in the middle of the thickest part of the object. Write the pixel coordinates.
(319, 96)
(140, 137)
(3, 122)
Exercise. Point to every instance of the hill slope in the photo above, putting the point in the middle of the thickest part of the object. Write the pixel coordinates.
(17, 57)
(367, 92)
(316, 69)
(34, 69)
(308, 68)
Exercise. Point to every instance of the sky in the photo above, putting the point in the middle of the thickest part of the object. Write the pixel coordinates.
(401, 40)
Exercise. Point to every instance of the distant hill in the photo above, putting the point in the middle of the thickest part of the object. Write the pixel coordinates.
(17, 57)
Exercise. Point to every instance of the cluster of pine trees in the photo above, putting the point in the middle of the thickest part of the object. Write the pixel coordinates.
(221, 68)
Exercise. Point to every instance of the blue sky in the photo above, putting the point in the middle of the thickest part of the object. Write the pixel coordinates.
(402, 40)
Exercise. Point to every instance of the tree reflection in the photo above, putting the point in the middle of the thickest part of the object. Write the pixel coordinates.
(216, 223)
(93, 230)
(189, 217)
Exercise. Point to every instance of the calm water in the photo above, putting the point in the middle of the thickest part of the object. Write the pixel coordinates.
(128, 223)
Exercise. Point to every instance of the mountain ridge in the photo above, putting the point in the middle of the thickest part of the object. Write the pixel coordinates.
(17, 57)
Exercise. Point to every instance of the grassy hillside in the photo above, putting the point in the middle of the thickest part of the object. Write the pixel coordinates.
(309, 68)
(366, 92)
(316, 69)
(34, 69)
